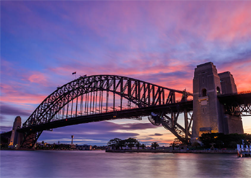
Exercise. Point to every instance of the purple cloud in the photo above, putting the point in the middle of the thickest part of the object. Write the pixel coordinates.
(2, 118)
(100, 127)
(10, 110)
(156, 134)
(101, 131)
(5, 128)
(136, 126)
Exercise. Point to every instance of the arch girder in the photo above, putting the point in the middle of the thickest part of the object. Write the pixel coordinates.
(141, 93)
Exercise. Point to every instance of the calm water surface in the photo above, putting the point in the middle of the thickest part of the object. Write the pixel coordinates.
(99, 164)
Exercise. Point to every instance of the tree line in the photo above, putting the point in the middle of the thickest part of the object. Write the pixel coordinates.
(220, 140)
(117, 143)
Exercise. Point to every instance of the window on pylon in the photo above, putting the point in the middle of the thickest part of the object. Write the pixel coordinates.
(218, 90)
(204, 92)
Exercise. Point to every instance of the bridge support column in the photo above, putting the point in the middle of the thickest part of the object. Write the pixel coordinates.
(30, 139)
(16, 138)
(208, 113)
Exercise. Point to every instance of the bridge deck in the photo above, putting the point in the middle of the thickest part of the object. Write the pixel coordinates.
(137, 112)
(235, 99)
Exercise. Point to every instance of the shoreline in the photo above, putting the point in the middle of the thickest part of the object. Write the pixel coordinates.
(175, 151)
(142, 151)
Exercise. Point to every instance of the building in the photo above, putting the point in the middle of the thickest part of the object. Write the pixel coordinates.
(84, 147)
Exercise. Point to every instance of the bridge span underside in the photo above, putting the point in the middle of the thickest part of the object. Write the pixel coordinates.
(105, 97)
(236, 104)
(124, 114)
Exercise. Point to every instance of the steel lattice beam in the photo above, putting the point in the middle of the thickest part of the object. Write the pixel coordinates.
(236, 104)
(100, 94)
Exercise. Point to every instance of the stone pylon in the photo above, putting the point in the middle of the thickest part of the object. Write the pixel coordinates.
(208, 113)
(16, 137)
(232, 124)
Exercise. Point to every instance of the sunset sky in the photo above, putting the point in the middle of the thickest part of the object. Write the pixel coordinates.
(161, 42)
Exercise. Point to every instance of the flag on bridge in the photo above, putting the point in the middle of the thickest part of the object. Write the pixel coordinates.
(74, 73)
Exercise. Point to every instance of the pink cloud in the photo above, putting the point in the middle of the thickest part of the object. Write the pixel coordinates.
(170, 19)
(38, 77)
(242, 77)
(240, 69)
(23, 99)
(138, 68)
(11, 94)
(231, 23)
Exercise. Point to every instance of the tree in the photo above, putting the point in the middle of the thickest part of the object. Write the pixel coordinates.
(155, 145)
(138, 145)
(224, 140)
(143, 146)
(121, 144)
(172, 145)
(175, 143)
(131, 142)
(114, 143)
(196, 144)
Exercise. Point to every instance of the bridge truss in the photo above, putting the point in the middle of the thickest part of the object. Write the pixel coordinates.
(105, 97)
(236, 104)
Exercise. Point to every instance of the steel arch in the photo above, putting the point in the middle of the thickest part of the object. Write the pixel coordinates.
(128, 88)
(142, 94)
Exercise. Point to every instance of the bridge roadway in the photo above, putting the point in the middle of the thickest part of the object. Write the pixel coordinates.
(229, 99)
(237, 104)
(130, 113)
(235, 99)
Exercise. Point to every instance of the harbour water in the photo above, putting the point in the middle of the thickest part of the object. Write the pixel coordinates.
(99, 164)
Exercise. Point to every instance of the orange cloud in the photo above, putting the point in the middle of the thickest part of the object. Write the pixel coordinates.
(241, 73)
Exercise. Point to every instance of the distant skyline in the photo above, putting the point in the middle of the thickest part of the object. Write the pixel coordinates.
(44, 42)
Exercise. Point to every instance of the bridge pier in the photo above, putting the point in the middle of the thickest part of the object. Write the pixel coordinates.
(16, 137)
(208, 112)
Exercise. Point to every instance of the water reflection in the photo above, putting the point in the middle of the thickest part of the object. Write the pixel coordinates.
(94, 164)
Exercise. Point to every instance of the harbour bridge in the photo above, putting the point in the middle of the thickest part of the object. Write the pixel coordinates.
(108, 97)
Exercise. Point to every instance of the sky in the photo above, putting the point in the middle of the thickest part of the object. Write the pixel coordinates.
(162, 42)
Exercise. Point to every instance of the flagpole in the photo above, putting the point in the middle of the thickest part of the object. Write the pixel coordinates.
(74, 73)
